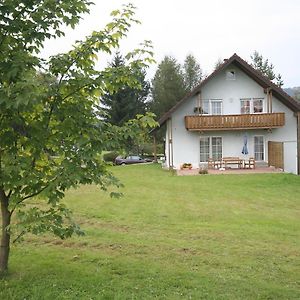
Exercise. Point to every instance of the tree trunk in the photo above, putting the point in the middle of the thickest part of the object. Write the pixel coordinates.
(5, 237)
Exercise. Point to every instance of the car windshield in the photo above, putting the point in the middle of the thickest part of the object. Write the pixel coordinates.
(133, 157)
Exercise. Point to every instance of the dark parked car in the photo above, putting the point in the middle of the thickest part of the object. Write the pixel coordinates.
(131, 159)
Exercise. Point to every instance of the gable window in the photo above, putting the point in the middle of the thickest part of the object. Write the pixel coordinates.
(252, 105)
(210, 147)
(259, 148)
(230, 75)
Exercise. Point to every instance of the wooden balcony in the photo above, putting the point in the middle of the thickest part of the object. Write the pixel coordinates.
(234, 122)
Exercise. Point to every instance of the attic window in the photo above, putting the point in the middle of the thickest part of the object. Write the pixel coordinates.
(230, 75)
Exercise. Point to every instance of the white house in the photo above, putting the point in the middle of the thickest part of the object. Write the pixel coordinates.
(234, 107)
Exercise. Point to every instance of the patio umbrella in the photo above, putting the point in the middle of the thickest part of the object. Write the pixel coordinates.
(245, 148)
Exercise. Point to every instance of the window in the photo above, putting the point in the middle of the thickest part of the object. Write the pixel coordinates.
(259, 148)
(204, 149)
(210, 147)
(205, 107)
(252, 105)
(257, 105)
(216, 107)
(245, 106)
(216, 143)
(230, 75)
(210, 107)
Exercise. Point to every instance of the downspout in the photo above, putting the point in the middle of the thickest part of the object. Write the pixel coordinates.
(155, 147)
(271, 100)
(168, 140)
(298, 142)
(171, 141)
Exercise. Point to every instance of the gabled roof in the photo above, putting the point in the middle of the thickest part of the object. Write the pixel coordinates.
(257, 76)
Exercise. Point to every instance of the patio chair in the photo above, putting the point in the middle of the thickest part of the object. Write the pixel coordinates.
(211, 163)
(249, 164)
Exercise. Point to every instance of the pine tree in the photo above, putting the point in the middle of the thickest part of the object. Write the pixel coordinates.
(168, 86)
(265, 67)
(128, 101)
(192, 72)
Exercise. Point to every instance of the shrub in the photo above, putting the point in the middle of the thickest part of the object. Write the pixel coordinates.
(203, 171)
(110, 156)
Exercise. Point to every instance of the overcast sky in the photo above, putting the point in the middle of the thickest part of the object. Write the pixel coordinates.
(209, 30)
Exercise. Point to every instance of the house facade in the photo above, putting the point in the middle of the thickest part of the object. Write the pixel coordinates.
(234, 112)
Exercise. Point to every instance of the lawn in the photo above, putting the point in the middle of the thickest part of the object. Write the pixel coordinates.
(170, 237)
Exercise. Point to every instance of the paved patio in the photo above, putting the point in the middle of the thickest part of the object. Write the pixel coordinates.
(257, 170)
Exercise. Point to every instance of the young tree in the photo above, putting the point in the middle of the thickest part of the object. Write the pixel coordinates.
(218, 63)
(167, 86)
(265, 67)
(192, 72)
(128, 101)
(51, 126)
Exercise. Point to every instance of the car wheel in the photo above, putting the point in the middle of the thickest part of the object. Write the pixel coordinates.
(123, 164)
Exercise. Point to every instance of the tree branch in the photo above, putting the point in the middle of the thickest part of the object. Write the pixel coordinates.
(30, 196)
(76, 90)
(19, 236)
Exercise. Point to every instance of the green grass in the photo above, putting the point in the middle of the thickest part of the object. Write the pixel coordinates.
(169, 237)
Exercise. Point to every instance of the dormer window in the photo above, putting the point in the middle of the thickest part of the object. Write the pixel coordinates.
(230, 75)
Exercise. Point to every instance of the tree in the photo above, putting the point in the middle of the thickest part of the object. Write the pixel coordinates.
(128, 101)
(218, 63)
(265, 67)
(52, 130)
(296, 92)
(192, 72)
(167, 86)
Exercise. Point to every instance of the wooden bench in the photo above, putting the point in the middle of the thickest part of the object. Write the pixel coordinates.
(232, 161)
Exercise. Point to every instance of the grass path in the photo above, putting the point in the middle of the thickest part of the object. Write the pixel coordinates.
(170, 237)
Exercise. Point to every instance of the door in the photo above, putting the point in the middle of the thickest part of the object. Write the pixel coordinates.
(275, 153)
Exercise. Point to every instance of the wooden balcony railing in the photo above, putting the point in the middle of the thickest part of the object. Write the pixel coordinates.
(234, 122)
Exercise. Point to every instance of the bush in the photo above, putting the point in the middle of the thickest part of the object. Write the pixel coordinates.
(110, 156)
(203, 171)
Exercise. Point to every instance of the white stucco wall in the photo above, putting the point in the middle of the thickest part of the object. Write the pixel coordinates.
(186, 145)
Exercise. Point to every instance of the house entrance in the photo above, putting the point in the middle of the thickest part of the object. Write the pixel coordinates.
(275, 154)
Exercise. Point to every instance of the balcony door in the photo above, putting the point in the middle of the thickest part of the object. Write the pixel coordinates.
(259, 148)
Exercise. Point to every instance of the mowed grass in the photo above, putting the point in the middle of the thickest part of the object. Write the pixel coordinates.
(170, 237)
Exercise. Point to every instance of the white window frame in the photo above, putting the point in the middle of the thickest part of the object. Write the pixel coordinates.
(262, 105)
(251, 102)
(264, 147)
(221, 154)
(211, 106)
(210, 147)
(210, 101)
